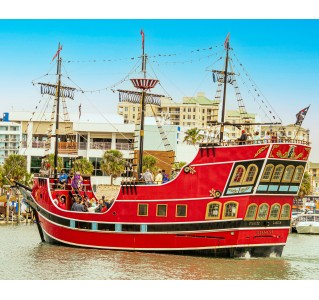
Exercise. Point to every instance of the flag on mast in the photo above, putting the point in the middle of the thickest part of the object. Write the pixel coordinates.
(226, 43)
(301, 115)
(56, 54)
(142, 34)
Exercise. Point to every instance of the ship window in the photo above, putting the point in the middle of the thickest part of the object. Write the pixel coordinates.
(238, 175)
(251, 212)
(181, 210)
(267, 173)
(161, 210)
(274, 212)
(289, 171)
(298, 174)
(251, 174)
(142, 210)
(263, 212)
(285, 212)
(277, 173)
(230, 210)
(213, 210)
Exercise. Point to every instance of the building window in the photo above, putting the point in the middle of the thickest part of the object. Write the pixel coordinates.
(267, 173)
(213, 210)
(35, 164)
(298, 174)
(181, 210)
(230, 210)
(251, 174)
(142, 210)
(96, 162)
(285, 212)
(277, 173)
(251, 212)
(263, 212)
(238, 175)
(161, 210)
(274, 212)
(125, 108)
(289, 171)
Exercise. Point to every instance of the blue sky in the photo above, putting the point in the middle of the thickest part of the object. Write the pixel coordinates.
(281, 56)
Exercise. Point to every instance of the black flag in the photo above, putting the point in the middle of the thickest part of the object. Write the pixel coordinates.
(301, 115)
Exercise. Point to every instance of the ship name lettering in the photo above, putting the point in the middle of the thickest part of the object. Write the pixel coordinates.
(277, 222)
(254, 223)
(264, 232)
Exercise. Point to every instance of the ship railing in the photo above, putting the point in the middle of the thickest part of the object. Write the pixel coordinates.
(254, 142)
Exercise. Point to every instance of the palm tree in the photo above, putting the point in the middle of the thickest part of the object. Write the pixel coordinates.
(305, 186)
(84, 166)
(192, 136)
(50, 160)
(15, 167)
(112, 163)
(149, 162)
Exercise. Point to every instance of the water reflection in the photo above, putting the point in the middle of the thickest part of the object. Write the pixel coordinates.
(31, 259)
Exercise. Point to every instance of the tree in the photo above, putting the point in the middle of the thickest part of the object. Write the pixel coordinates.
(84, 166)
(179, 165)
(15, 167)
(112, 163)
(305, 186)
(149, 162)
(49, 160)
(192, 136)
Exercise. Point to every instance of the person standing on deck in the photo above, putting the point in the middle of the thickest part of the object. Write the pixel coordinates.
(159, 177)
(148, 177)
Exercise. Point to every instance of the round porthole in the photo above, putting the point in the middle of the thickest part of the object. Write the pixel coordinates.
(187, 169)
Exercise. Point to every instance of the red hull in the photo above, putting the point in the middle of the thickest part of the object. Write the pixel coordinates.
(232, 180)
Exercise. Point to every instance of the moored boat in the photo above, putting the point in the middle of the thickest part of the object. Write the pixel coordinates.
(234, 197)
(307, 224)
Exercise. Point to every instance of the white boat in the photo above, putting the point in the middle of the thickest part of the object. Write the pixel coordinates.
(308, 223)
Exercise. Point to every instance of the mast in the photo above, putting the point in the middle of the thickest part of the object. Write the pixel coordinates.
(56, 148)
(141, 146)
(221, 136)
(143, 84)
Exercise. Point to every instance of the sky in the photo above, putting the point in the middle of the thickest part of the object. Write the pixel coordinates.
(280, 55)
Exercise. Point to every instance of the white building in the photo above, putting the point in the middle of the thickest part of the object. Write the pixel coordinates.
(10, 138)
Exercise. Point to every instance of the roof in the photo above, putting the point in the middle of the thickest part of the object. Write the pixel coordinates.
(200, 99)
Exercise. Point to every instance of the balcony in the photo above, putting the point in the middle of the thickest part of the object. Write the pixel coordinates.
(124, 146)
(68, 147)
(100, 145)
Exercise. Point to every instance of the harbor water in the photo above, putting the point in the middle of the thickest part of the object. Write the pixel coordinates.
(24, 256)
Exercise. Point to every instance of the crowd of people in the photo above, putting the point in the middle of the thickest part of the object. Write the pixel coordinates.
(269, 137)
(161, 177)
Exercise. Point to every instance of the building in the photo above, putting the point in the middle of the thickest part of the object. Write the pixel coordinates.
(89, 137)
(196, 111)
(314, 178)
(291, 131)
(10, 138)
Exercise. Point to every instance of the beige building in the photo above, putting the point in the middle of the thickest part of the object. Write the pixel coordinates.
(196, 111)
(314, 177)
(290, 131)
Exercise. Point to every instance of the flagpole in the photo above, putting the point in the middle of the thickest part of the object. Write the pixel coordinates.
(221, 135)
(57, 116)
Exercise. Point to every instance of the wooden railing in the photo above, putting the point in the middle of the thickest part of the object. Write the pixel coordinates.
(68, 147)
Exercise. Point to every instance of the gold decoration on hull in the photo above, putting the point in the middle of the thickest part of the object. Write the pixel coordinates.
(260, 150)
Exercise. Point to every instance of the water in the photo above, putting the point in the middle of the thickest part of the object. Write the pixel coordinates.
(23, 256)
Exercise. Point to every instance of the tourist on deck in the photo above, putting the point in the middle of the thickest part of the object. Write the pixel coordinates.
(159, 177)
(274, 137)
(63, 179)
(100, 205)
(62, 203)
(77, 206)
(173, 174)
(148, 177)
(257, 138)
(165, 177)
(76, 181)
(243, 138)
(267, 137)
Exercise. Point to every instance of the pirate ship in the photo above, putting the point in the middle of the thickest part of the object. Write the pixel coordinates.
(229, 200)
